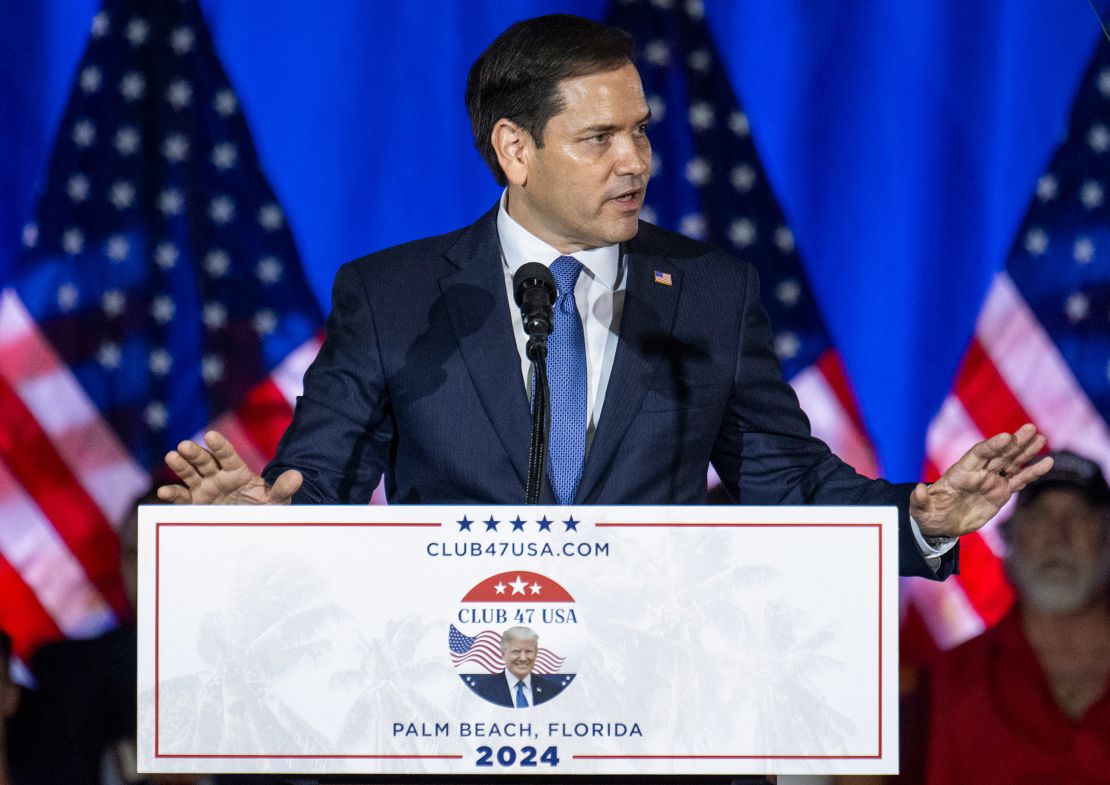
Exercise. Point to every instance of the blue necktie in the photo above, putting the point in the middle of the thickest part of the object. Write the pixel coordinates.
(521, 701)
(566, 373)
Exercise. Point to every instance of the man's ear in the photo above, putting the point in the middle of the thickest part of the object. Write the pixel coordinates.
(514, 147)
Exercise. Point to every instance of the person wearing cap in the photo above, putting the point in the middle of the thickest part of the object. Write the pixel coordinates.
(1028, 701)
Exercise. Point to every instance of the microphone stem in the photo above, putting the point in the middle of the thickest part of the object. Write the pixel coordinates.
(537, 453)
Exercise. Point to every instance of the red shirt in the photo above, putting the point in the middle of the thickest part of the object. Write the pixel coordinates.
(993, 720)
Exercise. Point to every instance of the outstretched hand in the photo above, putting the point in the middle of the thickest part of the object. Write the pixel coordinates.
(975, 488)
(219, 476)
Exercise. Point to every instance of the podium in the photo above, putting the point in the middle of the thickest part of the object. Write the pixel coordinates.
(681, 641)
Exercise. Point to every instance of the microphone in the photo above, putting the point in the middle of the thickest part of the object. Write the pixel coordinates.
(535, 292)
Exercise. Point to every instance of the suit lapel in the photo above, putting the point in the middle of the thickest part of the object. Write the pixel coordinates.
(476, 303)
(646, 326)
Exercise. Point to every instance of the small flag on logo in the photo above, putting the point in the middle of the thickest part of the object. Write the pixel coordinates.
(663, 278)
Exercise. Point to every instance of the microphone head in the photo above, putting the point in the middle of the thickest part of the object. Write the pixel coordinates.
(532, 275)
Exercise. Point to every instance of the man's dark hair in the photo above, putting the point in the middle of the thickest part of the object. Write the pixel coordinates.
(5, 653)
(518, 76)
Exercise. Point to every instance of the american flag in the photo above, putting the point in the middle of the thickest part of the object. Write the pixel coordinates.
(484, 651)
(707, 182)
(158, 292)
(1040, 353)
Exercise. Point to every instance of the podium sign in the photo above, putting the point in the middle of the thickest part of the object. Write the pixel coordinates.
(654, 640)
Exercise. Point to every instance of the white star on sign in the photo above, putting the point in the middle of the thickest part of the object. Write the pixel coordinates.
(518, 585)
(535, 587)
(499, 588)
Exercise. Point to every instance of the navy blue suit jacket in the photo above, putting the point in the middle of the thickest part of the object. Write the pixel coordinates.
(495, 688)
(419, 378)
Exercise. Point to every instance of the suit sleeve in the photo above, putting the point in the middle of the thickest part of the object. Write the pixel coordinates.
(765, 453)
(342, 425)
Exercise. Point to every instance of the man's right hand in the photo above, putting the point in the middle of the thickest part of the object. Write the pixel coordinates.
(219, 476)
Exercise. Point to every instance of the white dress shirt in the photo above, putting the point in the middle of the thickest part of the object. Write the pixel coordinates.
(513, 680)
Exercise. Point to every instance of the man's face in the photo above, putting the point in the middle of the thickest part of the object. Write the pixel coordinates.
(520, 657)
(584, 188)
(1059, 550)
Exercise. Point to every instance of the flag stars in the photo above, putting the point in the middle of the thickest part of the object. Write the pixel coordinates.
(656, 163)
(698, 171)
(264, 322)
(1099, 138)
(127, 141)
(155, 415)
(1091, 194)
(657, 53)
(1104, 82)
(221, 209)
(121, 195)
(73, 241)
(132, 86)
(214, 315)
(216, 263)
(165, 255)
(171, 202)
(1048, 187)
(666, 5)
(211, 369)
(30, 235)
(788, 292)
(100, 25)
(182, 40)
(113, 302)
(270, 217)
(738, 124)
(784, 239)
(179, 94)
(137, 31)
(225, 102)
(742, 232)
(269, 270)
(84, 133)
(67, 297)
(1036, 241)
(160, 362)
(702, 117)
(1077, 307)
(77, 188)
(657, 107)
(742, 178)
(700, 60)
(117, 248)
(695, 9)
(787, 346)
(109, 356)
(491, 525)
(90, 79)
(175, 148)
(693, 225)
(162, 308)
(647, 214)
(224, 156)
(1084, 250)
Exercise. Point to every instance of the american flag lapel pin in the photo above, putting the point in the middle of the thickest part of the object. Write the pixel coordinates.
(663, 278)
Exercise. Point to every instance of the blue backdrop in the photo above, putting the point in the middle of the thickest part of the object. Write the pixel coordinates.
(904, 141)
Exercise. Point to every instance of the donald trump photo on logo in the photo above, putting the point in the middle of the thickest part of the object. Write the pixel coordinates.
(516, 686)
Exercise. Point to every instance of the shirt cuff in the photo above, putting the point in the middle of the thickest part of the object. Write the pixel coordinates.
(932, 548)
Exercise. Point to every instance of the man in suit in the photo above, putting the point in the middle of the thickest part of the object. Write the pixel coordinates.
(516, 685)
(661, 358)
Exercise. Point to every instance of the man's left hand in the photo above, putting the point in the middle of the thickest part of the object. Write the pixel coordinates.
(976, 487)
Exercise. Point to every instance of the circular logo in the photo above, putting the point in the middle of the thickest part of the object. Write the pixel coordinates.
(516, 639)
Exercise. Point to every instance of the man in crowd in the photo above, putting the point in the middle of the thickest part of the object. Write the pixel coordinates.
(1028, 701)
